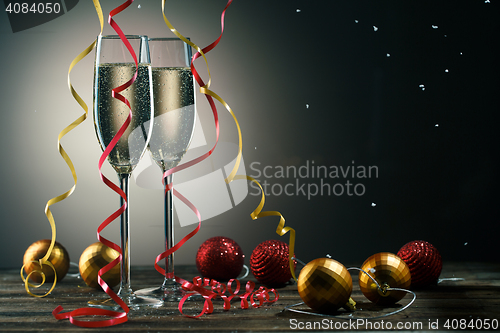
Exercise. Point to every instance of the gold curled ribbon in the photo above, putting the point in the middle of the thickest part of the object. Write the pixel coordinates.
(65, 156)
(257, 213)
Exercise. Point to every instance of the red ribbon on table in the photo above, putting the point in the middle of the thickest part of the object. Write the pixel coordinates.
(117, 317)
(218, 289)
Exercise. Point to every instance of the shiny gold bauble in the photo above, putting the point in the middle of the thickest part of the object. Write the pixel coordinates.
(95, 257)
(59, 258)
(390, 271)
(324, 285)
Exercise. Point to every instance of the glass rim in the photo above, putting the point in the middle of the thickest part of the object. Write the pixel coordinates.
(126, 36)
(166, 39)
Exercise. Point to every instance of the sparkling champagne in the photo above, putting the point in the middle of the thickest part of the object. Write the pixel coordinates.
(174, 114)
(112, 113)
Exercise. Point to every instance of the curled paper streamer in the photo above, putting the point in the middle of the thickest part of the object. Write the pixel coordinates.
(281, 229)
(209, 94)
(169, 187)
(257, 297)
(62, 152)
(116, 317)
(182, 241)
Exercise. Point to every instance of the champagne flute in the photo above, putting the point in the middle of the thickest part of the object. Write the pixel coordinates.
(173, 127)
(114, 66)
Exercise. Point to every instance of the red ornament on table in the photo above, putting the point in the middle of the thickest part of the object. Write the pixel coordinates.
(220, 258)
(424, 262)
(269, 263)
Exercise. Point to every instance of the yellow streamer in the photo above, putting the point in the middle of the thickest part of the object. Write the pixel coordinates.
(281, 229)
(62, 152)
(257, 213)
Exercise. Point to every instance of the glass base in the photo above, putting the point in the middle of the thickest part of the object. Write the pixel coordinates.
(133, 301)
(170, 291)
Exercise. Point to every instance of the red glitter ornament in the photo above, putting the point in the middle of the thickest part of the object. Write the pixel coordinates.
(220, 258)
(269, 263)
(424, 262)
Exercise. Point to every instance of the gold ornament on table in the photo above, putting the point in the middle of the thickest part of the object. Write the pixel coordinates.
(325, 285)
(59, 258)
(95, 257)
(390, 271)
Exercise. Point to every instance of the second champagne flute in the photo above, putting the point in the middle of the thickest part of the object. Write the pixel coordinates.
(173, 127)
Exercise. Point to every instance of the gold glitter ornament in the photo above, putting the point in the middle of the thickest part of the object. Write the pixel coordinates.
(390, 271)
(324, 285)
(95, 257)
(59, 258)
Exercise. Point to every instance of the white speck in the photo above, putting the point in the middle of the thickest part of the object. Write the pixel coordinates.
(446, 70)
(487, 1)
(422, 87)
(372, 270)
(375, 28)
(139, 6)
(445, 36)
(298, 10)
(356, 21)
(437, 125)
(328, 256)
(466, 243)
(307, 106)
(255, 147)
(373, 204)
(434, 26)
(388, 55)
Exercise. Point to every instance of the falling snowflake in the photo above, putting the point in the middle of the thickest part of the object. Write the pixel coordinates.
(307, 106)
(373, 204)
(434, 26)
(446, 70)
(298, 10)
(437, 125)
(375, 28)
(139, 6)
(356, 21)
(422, 86)
(388, 55)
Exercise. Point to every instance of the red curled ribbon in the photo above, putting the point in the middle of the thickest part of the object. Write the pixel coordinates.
(218, 289)
(183, 166)
(116, 316)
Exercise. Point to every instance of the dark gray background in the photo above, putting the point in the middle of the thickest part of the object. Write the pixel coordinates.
(436, 183)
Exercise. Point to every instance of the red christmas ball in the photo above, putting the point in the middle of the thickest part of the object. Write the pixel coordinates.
(424, 262)
(220, 258)
(269, 263)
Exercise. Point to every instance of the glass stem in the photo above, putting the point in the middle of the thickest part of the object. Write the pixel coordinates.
(125, 289)
(169, 234)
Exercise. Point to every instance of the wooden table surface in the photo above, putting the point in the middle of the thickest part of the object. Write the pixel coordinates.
(473, 301)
